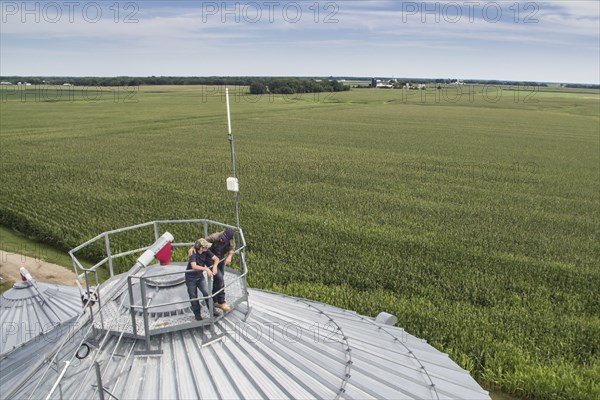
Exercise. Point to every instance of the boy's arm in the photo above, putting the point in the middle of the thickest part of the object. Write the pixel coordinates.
(200, 268)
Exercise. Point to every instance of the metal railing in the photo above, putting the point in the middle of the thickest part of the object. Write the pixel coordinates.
(82, 272)
(130, 275)
(156, 224)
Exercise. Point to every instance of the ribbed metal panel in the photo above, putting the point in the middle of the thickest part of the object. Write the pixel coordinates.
(281, 347)
(32, 314)
(33, 323)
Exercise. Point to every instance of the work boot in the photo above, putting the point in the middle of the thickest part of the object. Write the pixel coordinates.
(224, 307)
(198, 317)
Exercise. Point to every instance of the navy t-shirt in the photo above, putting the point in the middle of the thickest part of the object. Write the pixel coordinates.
(201, 259)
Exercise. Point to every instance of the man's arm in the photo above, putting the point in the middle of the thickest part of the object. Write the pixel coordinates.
(229, 255)
(214, 237)
(215, 260)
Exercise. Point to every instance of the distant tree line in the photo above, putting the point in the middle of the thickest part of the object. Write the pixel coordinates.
(258, 85)
(580, 86)
(261, 84)
(504, 83)
(294, 85)
(128, 81)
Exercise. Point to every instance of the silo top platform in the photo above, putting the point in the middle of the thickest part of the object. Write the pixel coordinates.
(168, 303)
(150, 299)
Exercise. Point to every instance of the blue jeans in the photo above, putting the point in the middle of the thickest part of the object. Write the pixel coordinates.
(192, 288)
(219, 283)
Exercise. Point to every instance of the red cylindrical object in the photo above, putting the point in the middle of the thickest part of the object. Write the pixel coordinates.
(164, 255)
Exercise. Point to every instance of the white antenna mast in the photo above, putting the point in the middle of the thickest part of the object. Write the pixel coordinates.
(232, 182)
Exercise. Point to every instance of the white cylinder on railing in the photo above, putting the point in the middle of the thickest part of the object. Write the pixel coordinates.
(146, 258)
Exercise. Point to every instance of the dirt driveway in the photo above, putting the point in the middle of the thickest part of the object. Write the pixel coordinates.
(39, 270)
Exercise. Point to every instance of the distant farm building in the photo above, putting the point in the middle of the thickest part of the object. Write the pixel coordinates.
(420, 86)
(380, 84)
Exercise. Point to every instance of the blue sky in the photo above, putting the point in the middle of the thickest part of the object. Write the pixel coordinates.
(555, 41)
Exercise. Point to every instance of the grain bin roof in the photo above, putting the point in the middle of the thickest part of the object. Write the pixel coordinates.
(26, 313)
(33, 323)
(277, 347)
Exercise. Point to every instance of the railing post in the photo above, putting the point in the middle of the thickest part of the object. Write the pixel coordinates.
(145, 312)
(156, 235)
(97, 294)
(74, 264)
(109, 255)
(243, 269)
(87, 296)
(211, 306)
(131, 304)
(147, 351)
(99, 380)
(205, 229)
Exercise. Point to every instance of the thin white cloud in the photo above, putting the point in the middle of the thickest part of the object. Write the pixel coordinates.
(165, 35)
(577, 8)
(555, 21)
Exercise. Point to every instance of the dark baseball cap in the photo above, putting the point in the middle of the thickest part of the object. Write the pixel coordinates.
(227, 235)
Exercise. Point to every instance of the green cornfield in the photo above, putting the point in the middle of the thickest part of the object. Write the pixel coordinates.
(474, 217)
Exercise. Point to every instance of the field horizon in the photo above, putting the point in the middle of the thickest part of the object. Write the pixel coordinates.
(472, 216)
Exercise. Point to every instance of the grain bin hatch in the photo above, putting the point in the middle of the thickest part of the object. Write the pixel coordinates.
(157, 276)
(162, 287)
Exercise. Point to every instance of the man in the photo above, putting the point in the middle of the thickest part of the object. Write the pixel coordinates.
(199, 260)
(223, 246)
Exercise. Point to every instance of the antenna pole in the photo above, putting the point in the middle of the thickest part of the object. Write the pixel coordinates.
(235, 193)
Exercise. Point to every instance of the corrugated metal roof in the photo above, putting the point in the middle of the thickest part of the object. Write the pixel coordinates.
(275, 347)
(26, 313)
(33, 321)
